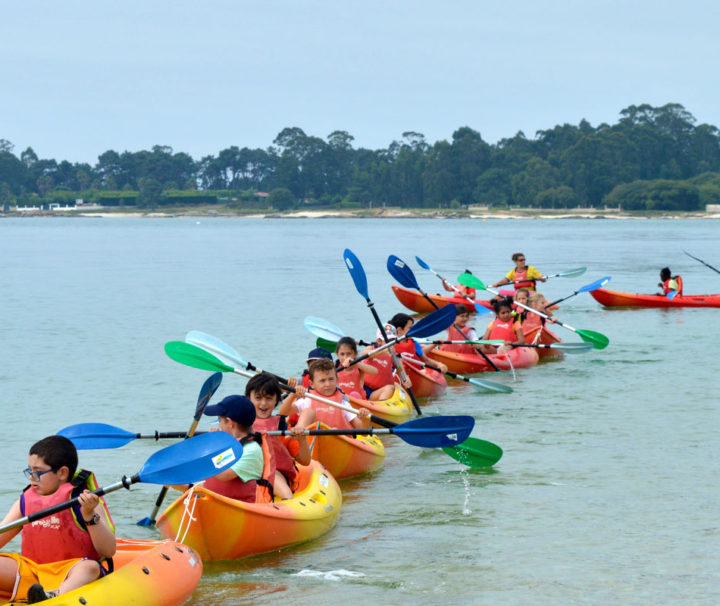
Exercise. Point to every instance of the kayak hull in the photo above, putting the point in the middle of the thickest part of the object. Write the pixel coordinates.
(147, 573)
(346, 456)
(542, 336)
(397, 408)
(426, 382)
(468, 364)
(414, 301)
(225, 529)
(611, 298)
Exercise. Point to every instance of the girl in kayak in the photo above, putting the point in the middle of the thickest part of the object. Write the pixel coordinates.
(522, 295)
(403, 323)
(460, 331)
(64, 550)
(538, 302)
(503, 327)
(351, 379)
(669, 283)
(521, 276)
(460, 290)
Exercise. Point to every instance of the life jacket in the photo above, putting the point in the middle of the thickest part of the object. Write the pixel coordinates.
(348, 379)
(63, 535)
(284, 461)
(252, 491)
(330, 415)
(456, 334)
(407, 347)
(533, 320)
(306, 378)
(666, 285)
(384, 364)
(521, 282)
(503, 330)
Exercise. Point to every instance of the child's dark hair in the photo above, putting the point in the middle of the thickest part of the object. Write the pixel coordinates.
(349, 341)
(400, 320)
(263, 384)
(665, 273)
(516, 256)
(461, 309)
(57, 451)
(500, 303)
(321, 364)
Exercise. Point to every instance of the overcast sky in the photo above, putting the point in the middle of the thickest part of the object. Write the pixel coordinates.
(78, 78)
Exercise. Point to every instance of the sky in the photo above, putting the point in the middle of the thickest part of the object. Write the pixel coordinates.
(79, 78)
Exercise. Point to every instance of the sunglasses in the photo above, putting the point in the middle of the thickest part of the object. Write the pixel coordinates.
(36, 475)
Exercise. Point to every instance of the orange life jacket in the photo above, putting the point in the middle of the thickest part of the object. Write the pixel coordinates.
(384, 364)
(348, 379)
(407, 347)
(521, 282)
(503, 330)
(63, 535)
(456, 334)
(330, 415)
(284, 461)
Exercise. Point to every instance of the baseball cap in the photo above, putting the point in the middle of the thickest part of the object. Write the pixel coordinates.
(318, 353)
(238, 408)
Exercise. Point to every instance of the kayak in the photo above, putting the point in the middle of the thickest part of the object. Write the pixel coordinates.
(468, 364)
(542, 336)
(147, 573)
(426, 382)
(397, 408)
(611, 298)
(219, 528)
(413, 300)
(346, 456)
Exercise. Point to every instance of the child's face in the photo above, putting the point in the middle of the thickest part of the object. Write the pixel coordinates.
(504, 314)
(521, 297)
(264, 404)
(324, 382)
(49, 482)
(345, 352)
(540, 303)
(401, 332)
(462, 319)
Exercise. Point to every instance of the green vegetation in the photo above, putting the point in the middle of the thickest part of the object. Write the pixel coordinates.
(653, 158)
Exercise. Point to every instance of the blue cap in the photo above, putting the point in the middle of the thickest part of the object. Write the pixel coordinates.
(318, 353)
(238, 408)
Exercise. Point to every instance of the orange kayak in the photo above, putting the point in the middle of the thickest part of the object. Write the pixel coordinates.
(413, 300)
(346, 456)
(468, 364)
(426, 382)
(546, 337)
(219, 528)
(611, 298)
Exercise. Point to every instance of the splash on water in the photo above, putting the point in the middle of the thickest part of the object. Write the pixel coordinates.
(330, 575)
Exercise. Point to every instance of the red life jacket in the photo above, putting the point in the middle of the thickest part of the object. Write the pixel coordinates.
(63, 535)
(348, 379)
(521, 282)
(252, 491)
(503, 330)
(384, 364)
(532, 320)
(284, 461)
(666, 285)
(330, 415)
(306, 379)
(456, 334)
(407, 347)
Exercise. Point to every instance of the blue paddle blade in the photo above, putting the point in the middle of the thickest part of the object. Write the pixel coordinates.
(401, 272)
(595, 285)
(215, 346)
(94, 436)
(357, 273)
(323, 329)
(192, 460)
(672, 294)
(422, 263)
(481, 309)
(433, 323)
(436, 432)
(207, 391)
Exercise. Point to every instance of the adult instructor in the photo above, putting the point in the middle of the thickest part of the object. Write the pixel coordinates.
(521, 276)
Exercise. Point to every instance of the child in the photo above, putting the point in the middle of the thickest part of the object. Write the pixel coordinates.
(314, 354)
(538, 302)
(503, 327)
(460, 290)
(521, 276)
(522, 296)
(460, 331)
(236, 415)
(385, 366)
(403, 323)
(323, 381)
(669, 283)
(64, 550)
(351, 379)
(264, 392)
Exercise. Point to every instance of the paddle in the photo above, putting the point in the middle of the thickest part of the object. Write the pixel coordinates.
(474, 452)
(357, 273)
(478, 308)
(403, 274)
(428, 432)
(598, 340)
(587, 288)
(701, 261)
(478, 342)
(186, 462)
(207, 391)
(572, 273)
(327, 345)
(481, 384)
(571, 348)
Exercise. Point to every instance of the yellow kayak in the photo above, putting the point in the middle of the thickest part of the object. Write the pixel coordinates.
(397, 408)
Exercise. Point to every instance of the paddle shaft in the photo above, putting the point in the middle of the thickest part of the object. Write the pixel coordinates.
(454, 375)
(701, 261)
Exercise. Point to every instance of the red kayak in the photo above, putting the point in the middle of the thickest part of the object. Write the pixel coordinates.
(413, 300)
(468, 364)
(545, 337)
(610, 298)
(426, 382)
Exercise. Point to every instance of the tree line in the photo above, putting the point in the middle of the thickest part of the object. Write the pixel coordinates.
(652, 158)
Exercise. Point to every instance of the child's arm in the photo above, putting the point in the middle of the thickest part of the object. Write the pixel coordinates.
(366, 369)
(304, 455)
(102, 536)
(520, 335)
(288, 407)
(362, 419)
(12, 515)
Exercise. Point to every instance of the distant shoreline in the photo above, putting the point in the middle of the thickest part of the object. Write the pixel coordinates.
(382, 213)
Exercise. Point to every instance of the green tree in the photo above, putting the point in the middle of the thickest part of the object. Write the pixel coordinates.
(149, 193)
(281, 198)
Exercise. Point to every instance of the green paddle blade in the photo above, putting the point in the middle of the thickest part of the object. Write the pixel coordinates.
(474, 452)
(471, 281)
(192, 355)
(598, 340)
(326, 344)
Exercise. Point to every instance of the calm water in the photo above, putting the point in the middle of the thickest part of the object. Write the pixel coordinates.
(607, 492)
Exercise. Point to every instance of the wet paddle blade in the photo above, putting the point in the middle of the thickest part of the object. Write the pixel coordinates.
(356, 272)
(485, 386)
(433, 323)
(215, 346)
(194, 356)
(92, 436)
(471, 281)
(192, 460)
(595, 285)
(598, 340)
(572, 273)
(572, 348)
(436, 432)
(323, 329)
(401, 272)
(474, 452)
(422, 263)
(672, 294)
(325, 344)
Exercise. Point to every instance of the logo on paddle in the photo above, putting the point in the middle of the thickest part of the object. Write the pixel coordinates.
(224, 458)
(348, 262)
(452, 437)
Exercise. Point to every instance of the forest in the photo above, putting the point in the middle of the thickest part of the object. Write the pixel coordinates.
(652, 158)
